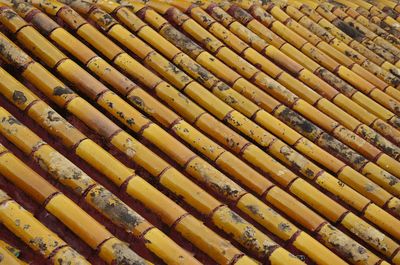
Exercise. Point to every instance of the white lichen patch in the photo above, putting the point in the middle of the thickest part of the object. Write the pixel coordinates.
(130, 148)
(125, 256)
(371, 235)
(344, 244)
(216, 180)
(294, 157)
(67, 173)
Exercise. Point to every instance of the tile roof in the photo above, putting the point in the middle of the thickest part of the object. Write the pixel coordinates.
(196, 132)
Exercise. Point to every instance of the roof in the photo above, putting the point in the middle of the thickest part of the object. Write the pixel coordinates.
(192, 132)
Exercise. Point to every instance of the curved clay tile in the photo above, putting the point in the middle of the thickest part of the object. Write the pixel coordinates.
(296, 184)
(221, 215)
(197, 31)
(157, 108)
(96, 195)
(111, 249)
(194, 165)
(289, 128)
(35, 234)
(121, 175)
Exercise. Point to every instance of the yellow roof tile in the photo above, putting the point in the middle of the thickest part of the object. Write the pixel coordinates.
(276, 123)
